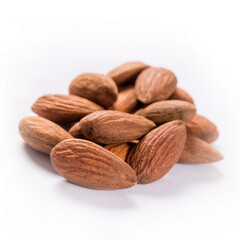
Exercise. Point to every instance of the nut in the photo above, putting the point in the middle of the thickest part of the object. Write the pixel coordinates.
(90, 165)
(41, 134)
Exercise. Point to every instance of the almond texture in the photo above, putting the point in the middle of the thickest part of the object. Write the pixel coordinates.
(126, 101)
(109, 127)
(158, 151)
(121, 150)
(41, 134)
(63, 108)
(76, 132)
(155, 84)
(198, 151)
(98, 88)
(127, 72)
(169, 110)
(180, 94)
(203, 128)
(90, 165)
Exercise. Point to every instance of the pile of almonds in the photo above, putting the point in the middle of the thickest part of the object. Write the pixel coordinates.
(129, 126)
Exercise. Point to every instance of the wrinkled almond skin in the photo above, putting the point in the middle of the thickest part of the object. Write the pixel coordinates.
(121, 150)
(180, 94)
(76, 132)
(98, 88)
(127, 72)
(198, 151)
(41, 134)
(169, 110)
(63, 108)
(158, 151)
(109, 127)
(155, 84)
(203, 128)
(126, 101)
(90, 165)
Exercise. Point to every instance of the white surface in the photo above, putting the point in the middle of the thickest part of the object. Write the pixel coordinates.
(199, 41)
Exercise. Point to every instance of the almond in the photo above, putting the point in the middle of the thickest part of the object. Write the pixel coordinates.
(126, 101)
(169, 110)
(203, 128)
(155, 84)
(108, 127)
(127, 72)
(121, 150)
(90, 165)
(98, 88)
(41, 134)
(180, 94)
(63, 108)
(198, 151)
(158, 151)
(76, 132)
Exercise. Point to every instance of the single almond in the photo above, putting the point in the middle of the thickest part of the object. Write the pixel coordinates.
(198, 151)
(90, 165)
(109, 127)
(158, 151)
(126, 101)
(98, 88)
(121, 150)
(169, 110)
(41, 134)
(64, 108)
(155, 84)
(76, 132)
(203, 128)
(127, 72)
(180, 94)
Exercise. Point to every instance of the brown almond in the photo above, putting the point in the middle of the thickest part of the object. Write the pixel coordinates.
(41, 134)
(158, 151)
(121, 150)
(63, 108)
(169, 110)
(127, 72)
(198, 151)
(126, 101)
(76, 132)
(109, 127)
(180, 94)
(155, 84)
(90, 165)
(98, 88)
(203, 128)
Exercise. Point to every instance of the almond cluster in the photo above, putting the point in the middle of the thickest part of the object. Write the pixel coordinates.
(113, 131)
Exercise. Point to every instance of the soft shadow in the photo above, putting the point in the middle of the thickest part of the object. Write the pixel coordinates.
(181, 177)
(118, 199)
(40, 159)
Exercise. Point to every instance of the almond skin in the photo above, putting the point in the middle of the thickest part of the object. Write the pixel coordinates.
(76, 132)
(180, 94)
(155, 84)
(203, 128)
(98, 88)
(109, 127)
(158, 151)
(63, 108)
(126, 102)
(127, 72)
(121, 150)
(198, 151)
(41, 134)
(90, 165)
(169, 110)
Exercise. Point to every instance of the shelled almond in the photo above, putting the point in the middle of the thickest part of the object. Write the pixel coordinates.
(129, 126)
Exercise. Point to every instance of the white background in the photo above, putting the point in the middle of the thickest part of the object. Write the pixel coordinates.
(45, 44)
